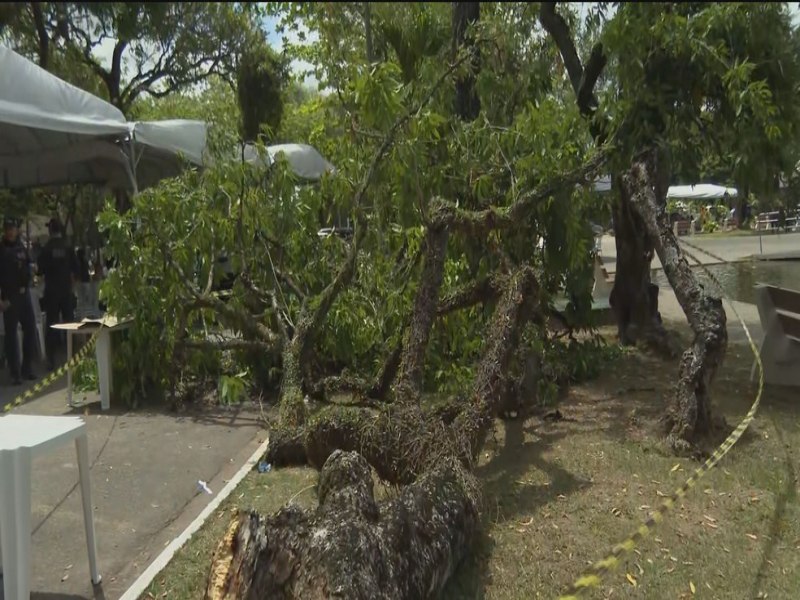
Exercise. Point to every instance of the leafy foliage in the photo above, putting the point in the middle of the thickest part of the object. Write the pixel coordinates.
(260, 83)
(715, 81)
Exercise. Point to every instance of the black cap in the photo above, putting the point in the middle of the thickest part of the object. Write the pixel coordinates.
(54, 225)
(10, 222)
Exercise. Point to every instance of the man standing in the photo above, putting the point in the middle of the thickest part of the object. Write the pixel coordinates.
(59, 266)
(15, 276)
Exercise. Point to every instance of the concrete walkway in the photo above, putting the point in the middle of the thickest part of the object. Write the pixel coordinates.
(730, 248)
(145, 469)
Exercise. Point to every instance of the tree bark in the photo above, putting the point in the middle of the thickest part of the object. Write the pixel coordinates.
(689, 416)
(415, 344)
(634, 298)
(350, 546)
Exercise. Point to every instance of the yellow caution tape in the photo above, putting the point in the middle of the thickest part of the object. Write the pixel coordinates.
(593, 576)
(44, 383)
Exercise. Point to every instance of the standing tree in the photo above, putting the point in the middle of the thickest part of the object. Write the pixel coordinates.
(156, 48)
(689, 82)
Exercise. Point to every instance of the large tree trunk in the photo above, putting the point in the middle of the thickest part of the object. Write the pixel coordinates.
(634, 298)
(352, 547)
(689, 416)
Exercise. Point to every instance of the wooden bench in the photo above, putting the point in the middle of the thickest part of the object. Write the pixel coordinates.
(779, 311)
(682, 227)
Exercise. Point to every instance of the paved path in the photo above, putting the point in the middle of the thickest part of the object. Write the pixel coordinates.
(145, 468)
(730, 248)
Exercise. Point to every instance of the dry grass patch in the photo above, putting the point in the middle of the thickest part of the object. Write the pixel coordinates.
(558, 495)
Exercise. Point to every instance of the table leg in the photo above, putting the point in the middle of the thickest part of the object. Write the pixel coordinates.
(103, 354)
(82, 446)
(15, 522)
(69, 368)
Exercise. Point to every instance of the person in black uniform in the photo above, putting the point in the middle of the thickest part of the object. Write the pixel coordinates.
(15, 276)
(59, 266)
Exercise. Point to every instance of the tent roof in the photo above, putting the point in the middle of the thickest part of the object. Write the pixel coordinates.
(53, 133)
(305, 160)
(48, 128)
(163, 147)
(701, 191)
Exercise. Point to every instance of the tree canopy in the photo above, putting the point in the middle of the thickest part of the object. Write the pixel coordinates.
(156, 48)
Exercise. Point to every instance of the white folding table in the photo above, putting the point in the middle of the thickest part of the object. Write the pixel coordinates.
(103, 351)
(21, 438)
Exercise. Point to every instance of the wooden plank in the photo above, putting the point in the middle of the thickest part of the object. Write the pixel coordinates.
(790, 324)
(784, 299)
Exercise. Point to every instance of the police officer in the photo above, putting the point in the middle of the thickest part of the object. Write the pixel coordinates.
(59, 266)
(15, 275)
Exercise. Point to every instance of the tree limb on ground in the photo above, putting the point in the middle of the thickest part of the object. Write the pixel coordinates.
(405, 548)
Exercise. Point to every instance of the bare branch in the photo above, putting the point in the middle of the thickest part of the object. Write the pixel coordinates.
(582, 80)
(41, 32)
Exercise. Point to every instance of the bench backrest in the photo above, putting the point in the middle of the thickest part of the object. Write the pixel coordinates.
(786, 305)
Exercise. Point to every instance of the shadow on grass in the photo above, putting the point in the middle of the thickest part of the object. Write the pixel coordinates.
(787, 495)
(505, 498)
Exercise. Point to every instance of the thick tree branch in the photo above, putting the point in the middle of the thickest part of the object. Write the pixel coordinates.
(690, 414)
(477, 292)
(583, 80)
(227, 344)
(514, 310)
(41, 34)
(409, 384)
(558, 29)
(479, 223)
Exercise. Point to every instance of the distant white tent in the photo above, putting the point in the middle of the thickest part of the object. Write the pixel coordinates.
(701, 191)
(603, 184)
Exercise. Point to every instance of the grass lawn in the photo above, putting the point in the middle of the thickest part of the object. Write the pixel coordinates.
(558, 495)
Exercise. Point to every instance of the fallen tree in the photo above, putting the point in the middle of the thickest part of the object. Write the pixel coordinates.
(353, 547)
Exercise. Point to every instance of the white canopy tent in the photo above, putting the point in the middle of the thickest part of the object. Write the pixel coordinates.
(53, 133)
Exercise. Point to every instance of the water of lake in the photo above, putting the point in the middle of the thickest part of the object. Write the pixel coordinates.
(739, 278)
